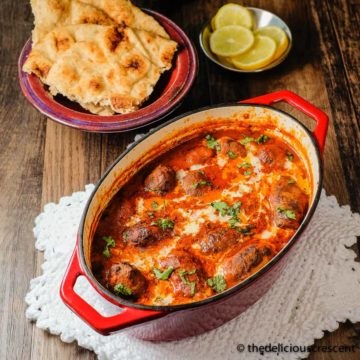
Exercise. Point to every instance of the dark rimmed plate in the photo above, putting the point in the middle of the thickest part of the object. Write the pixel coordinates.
(168, 93)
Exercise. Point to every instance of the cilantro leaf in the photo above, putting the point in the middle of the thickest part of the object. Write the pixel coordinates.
(217, 283)
(224, 209)
(192, 284)
(154, 205)
(260, 140)
(232, 155)
(233, 221)
(246, 230)
(110, 242)
(163, 275)
(247, 172)
(121, 289)
(221, 206)
(291, 181)
(164, 223)
(288, 213)
(290, 156)
(201, 183)
(246, 140)
(212, 143)
(234, 210)
(244, 165)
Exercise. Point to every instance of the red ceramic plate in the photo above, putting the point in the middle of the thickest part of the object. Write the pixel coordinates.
(168, 93)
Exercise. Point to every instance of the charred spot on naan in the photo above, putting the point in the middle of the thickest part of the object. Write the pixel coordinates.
(40, 67)
(114, 36)
(136, 64)
(63, 41)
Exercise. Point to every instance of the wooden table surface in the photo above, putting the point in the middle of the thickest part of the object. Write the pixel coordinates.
(41, 161)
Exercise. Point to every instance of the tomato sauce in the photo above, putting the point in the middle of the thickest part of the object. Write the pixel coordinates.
(202, 217)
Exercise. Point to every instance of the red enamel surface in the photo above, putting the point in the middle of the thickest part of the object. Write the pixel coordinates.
(105, 325)
(301, 104)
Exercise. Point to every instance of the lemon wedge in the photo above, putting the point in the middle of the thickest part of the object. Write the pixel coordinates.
(278, 35)
(233, 14)
(260, 55)
(231, 40)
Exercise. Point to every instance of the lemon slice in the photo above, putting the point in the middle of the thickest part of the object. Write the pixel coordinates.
(276, 34)
(231, 40)
(212, 24)
(261, 54)
(233, 14)
(226, 61)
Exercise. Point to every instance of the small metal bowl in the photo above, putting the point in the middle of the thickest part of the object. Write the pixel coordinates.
(262, 18)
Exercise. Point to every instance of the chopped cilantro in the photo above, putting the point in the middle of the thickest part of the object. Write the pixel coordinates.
(224, 209)
(150, 214)
(192, 284)
(290, 156)
(288, 213)
(234, 210)
(232, 155)
(110, 242)
(217, 283)
(233, 221)
(246, 230)
(154, 205)
(244, 165)
(247, 172)
(291, 181)
(201, 183)
(121, 289)
(221, 206)
(246, 140)
(164, 223)
(163, 275)
(212, 143)
(260, 140)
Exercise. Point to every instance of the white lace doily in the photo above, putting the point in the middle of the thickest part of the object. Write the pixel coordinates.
(319, 287)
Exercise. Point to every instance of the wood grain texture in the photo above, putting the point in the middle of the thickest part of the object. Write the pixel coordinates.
(40, 161)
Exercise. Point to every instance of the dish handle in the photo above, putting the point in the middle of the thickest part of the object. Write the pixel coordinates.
(322, 120)
(105, 325)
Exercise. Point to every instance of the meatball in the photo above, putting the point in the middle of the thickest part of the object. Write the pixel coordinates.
(187, 278)
(238, 264)
(216, 241)
(161, 180)
(289, 203)
(125, 279)
(271, 155)
(195, 183)
(229, 145)
(141, 235)
(199, 155)
(114, 218)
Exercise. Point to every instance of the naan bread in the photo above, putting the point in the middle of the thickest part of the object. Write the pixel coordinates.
(101, 67)
(54, 13)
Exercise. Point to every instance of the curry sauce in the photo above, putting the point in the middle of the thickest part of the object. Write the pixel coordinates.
(202, 217)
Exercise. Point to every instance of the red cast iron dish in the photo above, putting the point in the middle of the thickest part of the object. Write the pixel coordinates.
(159, 323)
(167, 96)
